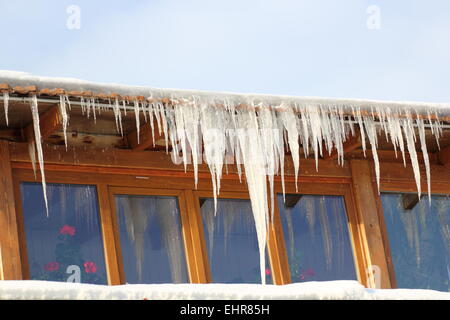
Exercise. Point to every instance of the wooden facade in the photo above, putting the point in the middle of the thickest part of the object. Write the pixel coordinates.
(152, 173)
(143, 169)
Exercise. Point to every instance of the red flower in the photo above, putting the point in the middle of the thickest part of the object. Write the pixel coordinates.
(310, 272)
(51, 266)
(90, 267)
(267, 272)
(67, 230)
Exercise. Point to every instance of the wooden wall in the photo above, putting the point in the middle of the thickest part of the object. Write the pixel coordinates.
(108, 169)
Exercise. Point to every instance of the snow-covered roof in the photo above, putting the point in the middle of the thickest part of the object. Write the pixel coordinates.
(76, 87)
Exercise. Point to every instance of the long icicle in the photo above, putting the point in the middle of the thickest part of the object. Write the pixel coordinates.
(5, 105)
(65, 118)
(136, 114)
(38, 144)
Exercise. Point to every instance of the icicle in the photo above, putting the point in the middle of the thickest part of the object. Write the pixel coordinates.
(369, 125)
(409, 135)
(68, 102)
(162, 114)
(124, 105)
(361, 130)
(63, 111)
(136, 114)
(32, 153)
(289, 120)
(38, 144)
(83, 105)
(5, 105)
(94, 110)
(426, 159)
(314, 124)
(118, 117)
(152, 124)
(144, 110)
(88, 108)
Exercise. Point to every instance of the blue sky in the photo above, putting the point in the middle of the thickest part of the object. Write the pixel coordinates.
(295, 47)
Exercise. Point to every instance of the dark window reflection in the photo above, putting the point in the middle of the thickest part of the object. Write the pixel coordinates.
(419, 238)
(151, 239)
(67, 245)
(317, 238)
(231, 241)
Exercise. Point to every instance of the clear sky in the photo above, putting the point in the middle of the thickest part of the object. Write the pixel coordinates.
(296, 47)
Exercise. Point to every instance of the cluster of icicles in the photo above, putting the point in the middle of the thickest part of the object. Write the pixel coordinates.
(255, 135)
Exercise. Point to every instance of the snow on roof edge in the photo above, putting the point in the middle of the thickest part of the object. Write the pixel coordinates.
(15, 78)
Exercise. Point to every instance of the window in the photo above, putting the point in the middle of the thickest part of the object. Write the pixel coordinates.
(419, 238)
(151, 239)
(127, 230)
(66, 245)
(317, 238)
(231, 241)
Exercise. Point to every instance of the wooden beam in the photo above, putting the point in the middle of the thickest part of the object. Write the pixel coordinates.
(444, 156)
(409, 201)
(365, 197)
(10, 135)
(353, 143)
(396, 172)
(390, 156)
(156, 160)
(145, 138)
(109, 239)
(292, 200)
(10, 263)
(199, 257)
(49, 122)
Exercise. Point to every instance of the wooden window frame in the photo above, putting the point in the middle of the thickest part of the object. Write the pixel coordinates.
(196, 256)
(197, 261)
(440, 185)
(184, 220)
(330, 188)
(104, 216)
(279, 277)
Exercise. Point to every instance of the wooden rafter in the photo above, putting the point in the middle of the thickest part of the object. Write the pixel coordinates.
(49, 122)
(444, 156)
(353, 143)
(391, 156)
(292, 200)
(145, 138)
(409, 201)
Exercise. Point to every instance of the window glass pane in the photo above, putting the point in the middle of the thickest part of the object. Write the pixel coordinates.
(151, 239)
(67, 245)
(419, 238)
(231, 241)
(317, 238)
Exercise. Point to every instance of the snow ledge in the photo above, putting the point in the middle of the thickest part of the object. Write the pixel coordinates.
(329, 290)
